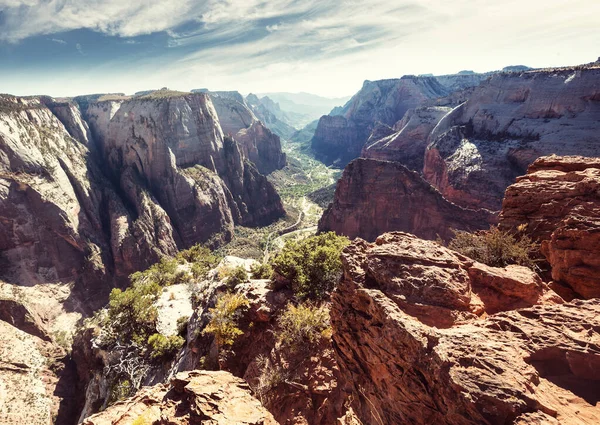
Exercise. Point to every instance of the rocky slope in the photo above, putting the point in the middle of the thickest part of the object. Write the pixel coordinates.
(157, 176)
(407, 140)
(557, 204)
(269, 112)
(258, 143)
(374, 197)
(479, 148)
(94, 190)
(191, 397)
(340, 137)
(422, 337)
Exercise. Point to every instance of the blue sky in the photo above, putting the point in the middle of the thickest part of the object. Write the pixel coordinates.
(327, 47)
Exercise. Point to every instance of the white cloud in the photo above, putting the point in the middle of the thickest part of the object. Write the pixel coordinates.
(58, 40)
(326, 46)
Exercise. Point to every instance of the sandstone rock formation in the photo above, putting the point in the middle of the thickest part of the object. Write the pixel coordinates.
(270, 113)
(38, 383)
(374, 197)
(258, 143)
(419, 341)
(408, 139)
(479, 148)
(342, 136)
(107, 191)
(192, 397)
(557, 203)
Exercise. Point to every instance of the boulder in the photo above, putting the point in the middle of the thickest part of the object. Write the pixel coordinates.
(557, 204)
(217, 398)
(536, 364)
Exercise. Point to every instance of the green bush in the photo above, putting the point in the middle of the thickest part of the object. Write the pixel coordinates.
(261, 271)
(164, 347)
(303, 325)
(312, 266)
(238, 275)
(131, 313)
(495, 247)
(201, 258)
(163, 273)
(224, 318)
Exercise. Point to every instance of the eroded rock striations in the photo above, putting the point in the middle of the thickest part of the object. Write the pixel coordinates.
(216, 398)
(374, 197)
(557, 204)
(422, 337)
(479, 148)
(258, 143)
(340, 137)
(108, 195)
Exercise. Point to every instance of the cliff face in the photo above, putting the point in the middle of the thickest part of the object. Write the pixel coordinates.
(412, 326)
(374, 197)
(557, 202)
(408, 139)
(478, 149)
(341, 137)
(269, 112)
(150, 176)
(258, 143)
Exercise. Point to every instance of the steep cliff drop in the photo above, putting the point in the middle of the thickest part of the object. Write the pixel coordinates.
(90, 192)
(479, 148)
(374, 197)
(340, 138)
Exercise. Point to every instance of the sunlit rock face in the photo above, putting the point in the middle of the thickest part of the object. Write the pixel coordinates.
(374, 197)
(417, 324)
(105, 187)
(479, 148)
(340, 138)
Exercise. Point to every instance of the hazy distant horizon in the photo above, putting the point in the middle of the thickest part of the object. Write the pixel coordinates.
(323, 47)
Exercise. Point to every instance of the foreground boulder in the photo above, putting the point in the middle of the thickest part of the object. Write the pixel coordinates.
(406, 365)
(216, 398)
(557, 204)
(374, 197)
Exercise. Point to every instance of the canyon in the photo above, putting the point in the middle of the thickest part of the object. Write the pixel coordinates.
(96, 188)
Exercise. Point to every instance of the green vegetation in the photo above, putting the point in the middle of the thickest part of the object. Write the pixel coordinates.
(163, 94)
(224, 318)
(312, 266)
(131, 313)
(236, 276)
(495, 247)
(261, 271)
(164, 347)
(303, 325)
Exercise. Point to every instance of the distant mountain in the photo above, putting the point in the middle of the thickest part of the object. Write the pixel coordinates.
(305, 107)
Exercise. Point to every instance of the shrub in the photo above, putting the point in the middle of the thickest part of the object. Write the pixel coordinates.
(163, 273)
(164, 347)
(495, 247)
(224, 318)
(238, 275)
(261, 271)
(271, 375)
(182, 325)
(131, 313)
(201, 258)
(303, 325)
(312, 266)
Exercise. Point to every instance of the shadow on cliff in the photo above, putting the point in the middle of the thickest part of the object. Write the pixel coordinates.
(70, 392)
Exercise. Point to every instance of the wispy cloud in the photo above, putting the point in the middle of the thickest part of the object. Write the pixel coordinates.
(314, 45)
(58, 40)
